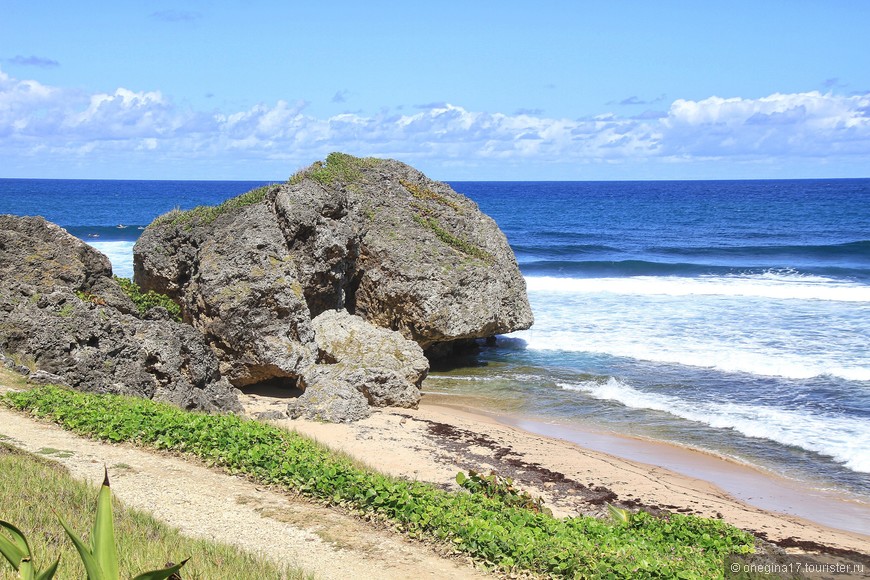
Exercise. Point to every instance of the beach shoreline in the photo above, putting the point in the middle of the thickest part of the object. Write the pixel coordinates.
(440, 438)
(746, 482)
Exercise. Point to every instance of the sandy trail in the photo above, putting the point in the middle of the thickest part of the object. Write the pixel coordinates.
(208, 503)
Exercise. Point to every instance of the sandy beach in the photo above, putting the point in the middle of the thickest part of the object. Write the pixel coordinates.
(433, 443)
(442, 437)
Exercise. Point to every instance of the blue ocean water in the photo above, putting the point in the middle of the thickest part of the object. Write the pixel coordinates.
(732, 316)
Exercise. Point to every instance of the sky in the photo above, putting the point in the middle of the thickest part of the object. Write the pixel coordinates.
(462, 90)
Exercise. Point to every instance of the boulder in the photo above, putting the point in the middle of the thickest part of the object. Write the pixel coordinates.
(372, 238)
(238, 286)
(61, 310)
(345, 338)
(330, 394)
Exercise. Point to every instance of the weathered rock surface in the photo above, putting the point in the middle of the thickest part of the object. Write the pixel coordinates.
(345, 338)
(330, 394)
(63, 314)
(374, 238)
(362, 366)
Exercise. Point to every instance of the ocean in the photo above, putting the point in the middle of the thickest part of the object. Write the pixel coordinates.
(728, 316)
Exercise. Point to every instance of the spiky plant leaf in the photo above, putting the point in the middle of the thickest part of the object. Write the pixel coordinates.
(16, 549)
(49, 572)
(619, 515)
(161, 574)
(103, 534)
(92, 567)
(25, 570)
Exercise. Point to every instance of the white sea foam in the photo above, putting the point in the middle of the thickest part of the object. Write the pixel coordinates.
(731, 333)
(720, 355)
(775, 285)
(845, 439)
(120, 254)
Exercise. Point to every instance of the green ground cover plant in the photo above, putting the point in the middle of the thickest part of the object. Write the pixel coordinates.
(145, 301)
(35, 491)
(495, 532)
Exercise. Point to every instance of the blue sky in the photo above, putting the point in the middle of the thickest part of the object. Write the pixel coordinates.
(471, 90)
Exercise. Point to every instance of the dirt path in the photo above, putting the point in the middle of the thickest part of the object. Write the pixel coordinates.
(207, 503)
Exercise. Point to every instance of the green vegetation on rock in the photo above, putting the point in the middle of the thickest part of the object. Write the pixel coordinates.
(339, 167)
(206, 214)
(502, 534)
(145, 301)
(424, 194)
(450, 239)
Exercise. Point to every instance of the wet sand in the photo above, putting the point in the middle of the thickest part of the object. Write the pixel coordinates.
(745, 483)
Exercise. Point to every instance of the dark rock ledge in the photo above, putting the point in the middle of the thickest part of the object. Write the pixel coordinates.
(64, 319)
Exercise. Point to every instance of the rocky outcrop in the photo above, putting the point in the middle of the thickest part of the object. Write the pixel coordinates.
(239, 287)
(361, 366)
(372, 238)
(63, 316)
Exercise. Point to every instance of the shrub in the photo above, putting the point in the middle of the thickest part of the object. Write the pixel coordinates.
(145, 301)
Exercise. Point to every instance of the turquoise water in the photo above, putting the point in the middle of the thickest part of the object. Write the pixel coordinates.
(732, 316)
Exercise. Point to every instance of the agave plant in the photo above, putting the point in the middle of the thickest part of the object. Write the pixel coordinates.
(100, 557)
(17, 552)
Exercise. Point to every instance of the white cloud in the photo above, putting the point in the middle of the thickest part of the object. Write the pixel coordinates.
(122, 115)
(146, 127)
(809, 124)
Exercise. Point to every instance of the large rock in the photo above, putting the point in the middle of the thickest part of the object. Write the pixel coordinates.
(330, 394)
(271, 278)
(239, 287)
(374, 238)
(63, 314)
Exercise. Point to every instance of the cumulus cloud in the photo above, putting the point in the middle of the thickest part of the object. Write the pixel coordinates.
(57, 123)
(809, 124)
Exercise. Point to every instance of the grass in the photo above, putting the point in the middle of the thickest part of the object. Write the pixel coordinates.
(425, 194)
(58, 453)
(11, 378)
(23, 360)
(492, 531)
(206, 214)
(338, 168)
(32, 489)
